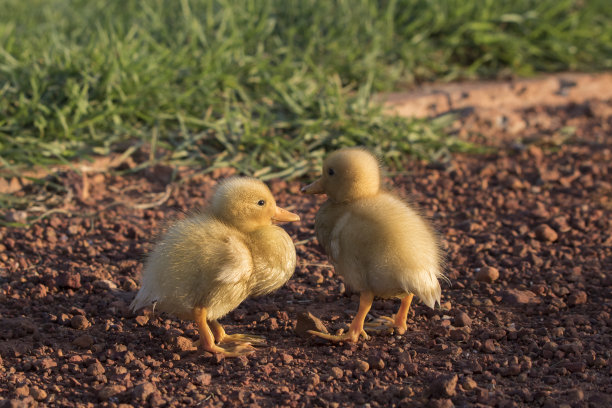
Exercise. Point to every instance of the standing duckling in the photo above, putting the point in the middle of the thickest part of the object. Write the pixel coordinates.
(208, 263)
(377, 242)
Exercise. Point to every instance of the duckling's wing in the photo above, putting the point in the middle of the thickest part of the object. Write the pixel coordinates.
(193, 260)
(235, 262)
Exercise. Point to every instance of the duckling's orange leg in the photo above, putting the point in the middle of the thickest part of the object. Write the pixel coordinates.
(398, 321)
(222, 337)
(356, 327)
(402, 314)
(207, 339)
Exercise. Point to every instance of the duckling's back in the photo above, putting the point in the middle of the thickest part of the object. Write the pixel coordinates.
(201, 262)
(383, 245)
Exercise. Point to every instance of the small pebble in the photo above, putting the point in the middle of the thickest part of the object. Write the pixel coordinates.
(183, 343)
(22, 391)
(462, 320)
(110, 391)
(545, 233)
(141, 320)
(203, 379)
(577, 298)
(95, 369)
(469, 383)
(487, 274)
(362, 366)
(287, 358)
(444, 386)
(337, 372)
(79, 322)
(38, 393)
(83, 341)
(376, 363)
(142, 391)
(307, 321)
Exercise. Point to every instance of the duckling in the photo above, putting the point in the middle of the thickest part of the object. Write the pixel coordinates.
(208, 263)
(376, 241)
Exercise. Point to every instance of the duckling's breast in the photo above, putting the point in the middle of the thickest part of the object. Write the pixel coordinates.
(329, 220)
(274, 259)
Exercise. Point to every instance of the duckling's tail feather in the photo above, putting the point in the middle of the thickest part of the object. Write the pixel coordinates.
(426, 286)
(431, 297)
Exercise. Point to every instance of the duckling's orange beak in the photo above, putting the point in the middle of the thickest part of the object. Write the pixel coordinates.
(282, 215)
(314, 188)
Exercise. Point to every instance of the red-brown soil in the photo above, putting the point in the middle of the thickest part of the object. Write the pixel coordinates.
(525, 320)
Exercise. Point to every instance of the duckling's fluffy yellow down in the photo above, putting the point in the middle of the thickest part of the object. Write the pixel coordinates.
(208, 263)
(379, 243)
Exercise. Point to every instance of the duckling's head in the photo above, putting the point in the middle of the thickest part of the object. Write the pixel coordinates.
(348, 174)
(247, 204)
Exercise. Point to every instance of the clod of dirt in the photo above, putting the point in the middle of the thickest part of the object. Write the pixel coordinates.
(45, 364)
(362, 366)
(183, 343)
(203, 379)
(22, 391)
(462, 320)
(141, 320)
(337, 372)
(545, 233)
(575, 394)
(578, 298)
(444, 386)
(83, 341)
(468, 384)
(520, 297)
(38, 394)
(487, 274)
(68, 280)
(110, 391)
(79, 322)
(142, 391)
(307, 321)
(376, 363)
(95, 369)
(412, 369)
(489, 346)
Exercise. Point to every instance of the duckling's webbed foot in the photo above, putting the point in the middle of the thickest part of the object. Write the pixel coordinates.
(356, 328)
(223, 338)
(349, 336)
(397, 323)
(207, 338)
(230, 350)
(383, 324)
(257, 341)
(233, 350)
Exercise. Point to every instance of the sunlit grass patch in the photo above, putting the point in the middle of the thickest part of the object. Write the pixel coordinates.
(264, 86)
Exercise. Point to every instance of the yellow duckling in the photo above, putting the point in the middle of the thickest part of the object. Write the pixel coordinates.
(377, 242)
(207, 264)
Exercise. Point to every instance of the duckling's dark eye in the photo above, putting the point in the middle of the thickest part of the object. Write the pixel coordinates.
(261, 203)
(331, 171)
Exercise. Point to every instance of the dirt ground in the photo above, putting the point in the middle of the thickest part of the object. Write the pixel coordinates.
(525, 319)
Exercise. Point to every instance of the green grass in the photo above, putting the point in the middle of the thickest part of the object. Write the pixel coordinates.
(265, 86)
